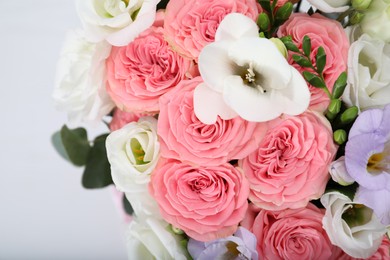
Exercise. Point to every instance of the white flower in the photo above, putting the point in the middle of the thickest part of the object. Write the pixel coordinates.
(351, 226)
(143, 204)
(339, 172)
(133, 152)
(331, 6)
(150, 239)
(117, 21)
(80, 80)
(246, 75)
(368, 75)
(376, 20)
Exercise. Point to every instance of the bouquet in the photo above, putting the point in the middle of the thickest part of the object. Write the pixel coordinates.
(236, 129)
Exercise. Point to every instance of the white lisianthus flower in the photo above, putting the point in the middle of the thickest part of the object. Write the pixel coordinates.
(376, 20)
(149, 238)
(338, 172)
(80, 80)
(117, 21)
(246, 75)
(330, 6)
(133, 152)
(351, 226)
(368, 76)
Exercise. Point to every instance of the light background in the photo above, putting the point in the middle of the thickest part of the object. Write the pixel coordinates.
(44, 211)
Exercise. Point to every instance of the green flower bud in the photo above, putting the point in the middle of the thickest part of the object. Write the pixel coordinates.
(177, 231)
(361, 5)
(334, 106)
(349, 115)
(340, 136)
(280, 45)
(356, 18)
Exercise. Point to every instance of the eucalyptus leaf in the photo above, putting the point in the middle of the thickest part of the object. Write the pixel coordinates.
(306, 45)
(58, 145)
(97, 173)
(320, 59)
(76, 144)
(339, 85)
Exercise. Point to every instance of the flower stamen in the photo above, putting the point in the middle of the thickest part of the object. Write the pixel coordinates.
(250, 79)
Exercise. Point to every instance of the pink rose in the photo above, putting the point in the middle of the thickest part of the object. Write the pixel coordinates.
(326, 33)
(184, 137)
(205, 202)
(289, 234)
(290, 167)
(121, 118)
(141, 72)
(191, 24)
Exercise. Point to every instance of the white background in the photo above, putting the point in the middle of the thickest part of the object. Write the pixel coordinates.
(45, 213)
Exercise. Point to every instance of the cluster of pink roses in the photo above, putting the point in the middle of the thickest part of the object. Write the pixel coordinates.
(209, 179)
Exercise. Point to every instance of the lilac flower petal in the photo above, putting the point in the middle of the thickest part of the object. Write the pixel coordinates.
(195, 248)
(368, 122)
(357, 152)
(377, 200)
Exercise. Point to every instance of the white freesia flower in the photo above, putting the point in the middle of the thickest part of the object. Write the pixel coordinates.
(331, 6)
(150, 239)
(351, 226)
(117, 21)
(376, 20)
(339, 172)
(246, 75)
(368, 75)
(80, 80)
(133, 152)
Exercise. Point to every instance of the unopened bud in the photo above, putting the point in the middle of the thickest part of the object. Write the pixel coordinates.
(361, 5)
(280, 45)
(356, 18)
(339, 172)
(340, 136)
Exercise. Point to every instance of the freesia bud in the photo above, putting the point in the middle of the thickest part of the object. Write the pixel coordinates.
(349, 115)
(339, 173)
(361, 5)
(280, 45)
(356, 18)
(340, 136)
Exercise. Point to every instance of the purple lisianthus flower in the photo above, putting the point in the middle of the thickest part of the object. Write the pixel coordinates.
(242, 245)
(367, 159)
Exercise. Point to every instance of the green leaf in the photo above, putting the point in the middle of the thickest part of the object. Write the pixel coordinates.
(76, 144)
(301, 61)
(339, 85)
(287, 40)
(97, 173)
(284, 12)
(306, 45)
(127, 206)
(314, 80)
(266, 5)
(310, 11)
(263, 22)
(320, 59)
(58, 145)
